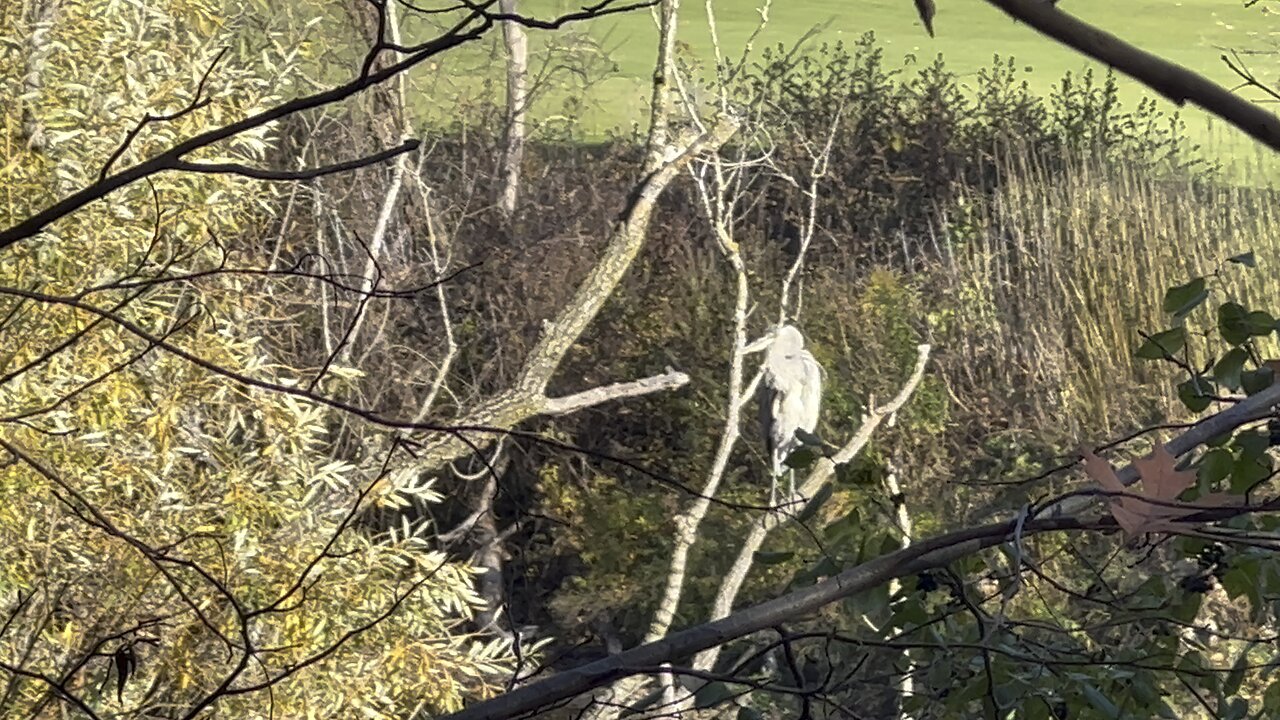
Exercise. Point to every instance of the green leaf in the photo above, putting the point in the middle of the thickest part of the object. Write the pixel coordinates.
(1157, 346)
(1255, 381)
(1233, 323)
(1252, 444)
(1227, 370)
(968, 692)
(1144, 691)
(746, 713)
(1196, 393)
(824, 567)
(1235, 709)
(1100, 701)
(1191, 663)
(1187, 607)
(1010, 694)
(1035, 710)
(1246, 259)
(1216, 465)
(1249, 472)
(843, 528)
(1260, 323)
(1182, 299)
(771, 558)
(801, 458)
(713, 694)
(819, 499)
(911, 613)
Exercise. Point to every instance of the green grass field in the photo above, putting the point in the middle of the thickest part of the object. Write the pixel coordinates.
(969, 33)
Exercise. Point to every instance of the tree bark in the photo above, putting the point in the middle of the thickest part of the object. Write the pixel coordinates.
(905, 526)
(528, 399)
(517, 44)
(663, 75)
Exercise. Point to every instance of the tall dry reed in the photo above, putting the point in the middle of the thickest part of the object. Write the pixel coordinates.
(1056, 271)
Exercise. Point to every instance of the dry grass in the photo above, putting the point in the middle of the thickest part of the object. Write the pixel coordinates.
(1054, 278)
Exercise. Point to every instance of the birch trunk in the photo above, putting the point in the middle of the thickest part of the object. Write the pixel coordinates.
(517, 43)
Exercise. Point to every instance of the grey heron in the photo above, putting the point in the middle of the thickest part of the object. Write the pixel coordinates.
(790, 398)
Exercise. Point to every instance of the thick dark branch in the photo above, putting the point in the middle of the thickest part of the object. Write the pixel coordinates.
(927, 554)
(922, 556)
(285, 175)
(197, 102)
(1253, 408)
(1171, 80)
(473, 26)
(172, 158)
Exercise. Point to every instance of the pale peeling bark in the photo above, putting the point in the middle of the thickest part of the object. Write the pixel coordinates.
(663, 75)
(40, 16)
(664, 161)
(688, 521)
(517, 44)
(611, 701)
(669, 380)
(626, 240)
(390, 202)
(489, 557)
(905, 526)
(528, 399)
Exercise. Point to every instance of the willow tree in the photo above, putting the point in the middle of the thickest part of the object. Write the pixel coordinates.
(168, 535)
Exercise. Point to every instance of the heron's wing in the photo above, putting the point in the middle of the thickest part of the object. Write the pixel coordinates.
(810, 393)
(771, 411)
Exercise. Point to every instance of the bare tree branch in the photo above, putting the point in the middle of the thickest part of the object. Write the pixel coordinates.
(921, 556)
(527, 400)
(669, 380)
(472, 26)
(1171, 80)
(290, 175)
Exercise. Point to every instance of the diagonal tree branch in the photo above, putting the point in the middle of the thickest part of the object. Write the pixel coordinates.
(292, 175)
(473, 25)
(927, 554)
(669, 380)
(1171, 80)
(923, 555)
(527, 398)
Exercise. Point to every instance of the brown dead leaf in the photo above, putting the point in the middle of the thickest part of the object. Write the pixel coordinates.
(1104, 474)
(1161, 481)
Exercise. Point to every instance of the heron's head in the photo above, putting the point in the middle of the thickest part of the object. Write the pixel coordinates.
(787, 339)
(789, 336)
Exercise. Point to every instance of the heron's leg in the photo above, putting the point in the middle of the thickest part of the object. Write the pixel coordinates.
(791, 477)
(773, 488)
